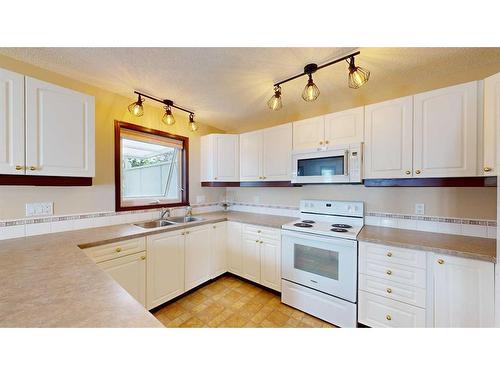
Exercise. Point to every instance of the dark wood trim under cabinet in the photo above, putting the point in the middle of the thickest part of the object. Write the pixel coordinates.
(24, 180)
(490, 181)
(249, 184)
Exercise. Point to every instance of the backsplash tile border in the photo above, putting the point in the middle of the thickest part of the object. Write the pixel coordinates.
(440, 219)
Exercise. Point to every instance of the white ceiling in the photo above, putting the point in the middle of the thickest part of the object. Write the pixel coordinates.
(229, 87)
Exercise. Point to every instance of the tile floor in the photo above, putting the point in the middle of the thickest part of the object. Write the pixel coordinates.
(230, 302)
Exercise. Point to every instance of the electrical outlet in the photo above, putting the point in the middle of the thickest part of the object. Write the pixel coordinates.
(419, 209)
(40, 209)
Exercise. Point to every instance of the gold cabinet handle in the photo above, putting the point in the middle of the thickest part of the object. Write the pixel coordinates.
(215, 178)
(408, 172)
(388, 317)
(257, 241)
(389, 272)
(183, 233)
(187, 232)
(389, 254)
(417, 171)
(321, 142)
(261, 241)
(118, 249)
(389, 290)
(487, 169)
(263, 177)
(143, 257)
(440, 261)
(32, 168)
(214, 226)
(19, 167)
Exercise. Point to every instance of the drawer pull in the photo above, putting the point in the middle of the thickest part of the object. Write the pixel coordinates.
(261, 241)
(389, 290)
(389, 254)
(143, 257)
(389, 272)
(118, 249)
(388, 317)
(440, 261)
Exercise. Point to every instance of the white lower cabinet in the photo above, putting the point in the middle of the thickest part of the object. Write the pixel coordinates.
(165, 276)
(218, 240)
(130, 272)
(251, 258)
(197, 255)
(270, 263)
(234, 250)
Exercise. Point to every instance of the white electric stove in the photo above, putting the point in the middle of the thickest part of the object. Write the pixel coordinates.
(320, 260)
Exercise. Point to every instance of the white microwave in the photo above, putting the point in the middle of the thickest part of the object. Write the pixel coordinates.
(335, 164)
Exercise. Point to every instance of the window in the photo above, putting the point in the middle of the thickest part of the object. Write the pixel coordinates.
(150, 168)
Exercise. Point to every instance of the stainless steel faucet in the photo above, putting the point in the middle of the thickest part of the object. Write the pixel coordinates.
(189, 211)
(164, 212)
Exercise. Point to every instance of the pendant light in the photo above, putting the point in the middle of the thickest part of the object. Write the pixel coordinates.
(357, 75)
(192, 124)
(311, 91)
(136, 108)
(168, 118)
(275, 102)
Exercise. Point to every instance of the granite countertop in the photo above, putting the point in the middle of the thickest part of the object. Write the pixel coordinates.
(464, 246)
(48, 281)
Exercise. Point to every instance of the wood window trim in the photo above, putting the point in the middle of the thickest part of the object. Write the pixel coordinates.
(185, 166)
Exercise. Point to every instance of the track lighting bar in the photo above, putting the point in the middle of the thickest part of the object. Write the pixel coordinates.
(167, 102)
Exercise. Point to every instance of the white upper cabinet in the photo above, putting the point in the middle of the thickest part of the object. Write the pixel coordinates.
(389, 139)
(59, 131)
(11, 122)
(445, 132)
(344, 127)
(266, 154)
(491, 124)
(462, 292)
(277, 153)
(251, 156)
(220, 157)
(309, 133)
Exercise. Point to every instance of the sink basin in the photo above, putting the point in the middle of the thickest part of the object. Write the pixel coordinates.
(155, 224)
(182, 219)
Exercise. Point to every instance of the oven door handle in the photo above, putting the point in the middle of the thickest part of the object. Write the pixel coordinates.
(346, 162)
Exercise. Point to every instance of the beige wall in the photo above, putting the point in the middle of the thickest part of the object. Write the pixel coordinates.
(100, 196)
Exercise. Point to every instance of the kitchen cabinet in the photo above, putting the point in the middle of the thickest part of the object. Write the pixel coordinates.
(309, 133)
(165, 266)
(270, 263)
(130, 272)
(60, 139)
(234, 248)
(389, 139)
(220, 157)
(218, 240)
(12, 138)
(251, 258)
(445, 132)
(197, 255)
(462, 292)
(344, 127)
(266, 154)
(491, 125)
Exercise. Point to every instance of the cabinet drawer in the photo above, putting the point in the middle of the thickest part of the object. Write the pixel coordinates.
(116, 249)
(406, 257)
(394, 272)
(375, 311)
(395, 291)
(264, 232)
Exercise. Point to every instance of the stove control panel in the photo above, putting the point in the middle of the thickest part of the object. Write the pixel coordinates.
(344, 208)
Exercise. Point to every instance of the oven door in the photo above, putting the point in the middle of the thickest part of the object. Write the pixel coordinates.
(321, 166)
(326, 264)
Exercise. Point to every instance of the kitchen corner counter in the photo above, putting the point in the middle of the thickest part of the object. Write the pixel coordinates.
(463, 246)
(49, 281)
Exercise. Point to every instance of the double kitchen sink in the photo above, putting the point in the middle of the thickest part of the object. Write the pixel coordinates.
(169, 221)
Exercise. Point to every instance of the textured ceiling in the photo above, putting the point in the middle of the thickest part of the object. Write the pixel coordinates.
(229, 87)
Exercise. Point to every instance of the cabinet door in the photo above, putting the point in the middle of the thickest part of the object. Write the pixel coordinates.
(197, 256)
(207, 158)
(491, 124)
(251, 156)
(277, 153)
(388, 139)
(270, 264)
(130, 273)
(226, 157)
(59, 131)
(11, 122)
(309, 133)
(462, 292)
(234, 248)
(445, 132)
(251, 258)
(344, 127)
(165, 262)
(218, 250)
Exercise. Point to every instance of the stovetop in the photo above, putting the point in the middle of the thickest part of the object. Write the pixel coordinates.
(325, 228)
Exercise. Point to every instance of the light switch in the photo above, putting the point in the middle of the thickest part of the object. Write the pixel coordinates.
(40, 209)
(419, 209)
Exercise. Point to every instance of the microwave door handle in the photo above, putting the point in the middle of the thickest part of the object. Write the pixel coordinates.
(346, 162)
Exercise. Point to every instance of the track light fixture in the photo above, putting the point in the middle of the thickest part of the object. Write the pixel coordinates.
(168, 118)
(357, 77)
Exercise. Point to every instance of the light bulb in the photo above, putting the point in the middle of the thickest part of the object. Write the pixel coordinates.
(136, 108)
(357, 75)
(275, 102)
(192, 124)
(168, 118)
(311, 91)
